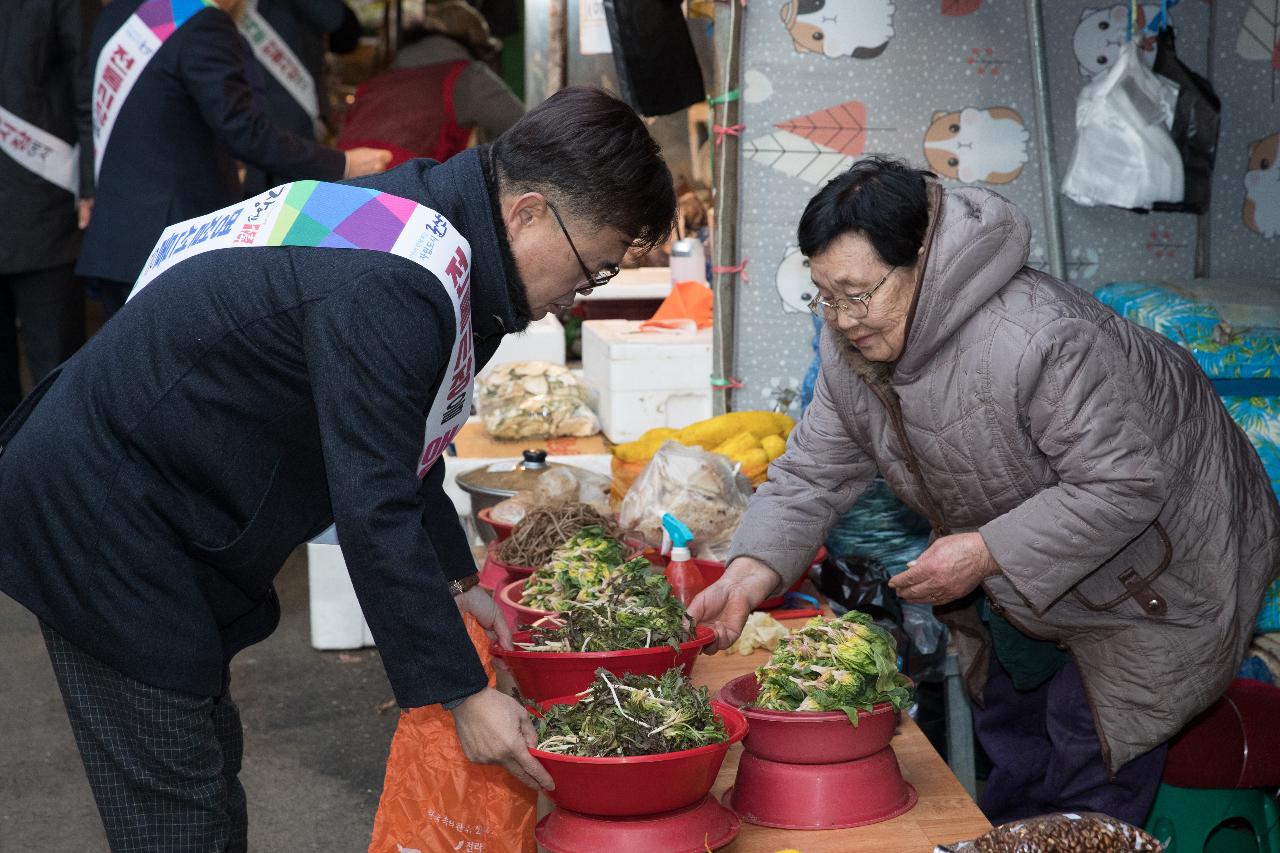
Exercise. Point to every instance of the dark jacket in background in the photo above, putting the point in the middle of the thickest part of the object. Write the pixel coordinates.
(43, 72)
(150, 492)
(172, 153)
(304, 26)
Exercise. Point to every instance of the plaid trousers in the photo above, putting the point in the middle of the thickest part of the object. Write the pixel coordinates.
(162, 764)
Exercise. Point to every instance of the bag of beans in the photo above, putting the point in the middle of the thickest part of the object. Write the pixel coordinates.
(1060, 833)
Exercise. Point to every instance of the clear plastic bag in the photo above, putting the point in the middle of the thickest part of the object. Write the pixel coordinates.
(1125, 155)
(1096, 833)
(535, 399)
(557, 486)
(701, 489)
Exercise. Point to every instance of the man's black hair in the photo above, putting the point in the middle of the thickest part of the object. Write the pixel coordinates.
(593, 157)
(878, 196)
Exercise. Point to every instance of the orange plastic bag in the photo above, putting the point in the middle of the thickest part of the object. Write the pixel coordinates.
(434, 799)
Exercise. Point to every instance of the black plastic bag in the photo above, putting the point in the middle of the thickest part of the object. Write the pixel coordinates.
(658, 70)
(862, 583)
(1195, 127)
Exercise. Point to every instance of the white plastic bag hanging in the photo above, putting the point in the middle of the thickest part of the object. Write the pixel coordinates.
(1124, 154)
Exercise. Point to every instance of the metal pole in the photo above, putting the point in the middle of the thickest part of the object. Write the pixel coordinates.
(1204, 231)
(728, 43)
(1044, 131)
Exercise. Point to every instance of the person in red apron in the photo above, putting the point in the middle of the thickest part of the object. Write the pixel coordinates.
(45, 167)
(265, 381)
(438, 91)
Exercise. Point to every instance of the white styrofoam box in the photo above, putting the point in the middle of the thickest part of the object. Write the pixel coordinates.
(542, 341)
(336, 619)
(643, 380)
(636, 283)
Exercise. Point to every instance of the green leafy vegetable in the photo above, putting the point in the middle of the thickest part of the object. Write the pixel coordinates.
(577, 570)
(631, 612)
(846, 664)
(632, 715)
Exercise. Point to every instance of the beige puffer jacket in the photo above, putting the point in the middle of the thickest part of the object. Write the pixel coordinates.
(1132, 520)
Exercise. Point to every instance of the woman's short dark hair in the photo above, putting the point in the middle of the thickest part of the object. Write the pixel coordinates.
(590, 153)
(881, 197)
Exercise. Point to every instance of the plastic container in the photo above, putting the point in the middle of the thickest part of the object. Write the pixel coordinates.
(706, 825)
(682, 574)
(820, 796)
(642, 784)
(808, 737)
(543, 675)
(495, 574)
(508, 599)
(713, 570)
(643, 380)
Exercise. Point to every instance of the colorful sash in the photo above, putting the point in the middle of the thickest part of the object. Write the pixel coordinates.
(336, 216)
(274, 54)
(40, 152)
(125, 56)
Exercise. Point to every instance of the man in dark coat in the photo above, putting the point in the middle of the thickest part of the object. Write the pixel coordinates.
(42, 72)
(172, 152)
(244, 400)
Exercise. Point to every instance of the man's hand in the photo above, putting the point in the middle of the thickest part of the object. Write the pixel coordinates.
(494, 729)
(480, 604)
(725, 605)
(951, 568)
(84, 210)
(366, 161)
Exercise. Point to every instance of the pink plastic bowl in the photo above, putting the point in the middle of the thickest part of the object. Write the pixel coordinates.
(643, 784)
(542, 675)
(517, 614)
(820, 796)
(495, 574)
(808, 737)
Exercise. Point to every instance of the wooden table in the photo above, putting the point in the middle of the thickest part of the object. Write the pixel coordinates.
(944, 813)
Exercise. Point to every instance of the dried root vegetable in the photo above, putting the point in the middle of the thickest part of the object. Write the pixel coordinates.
(847, 664)
(536, 537)
(632, 715)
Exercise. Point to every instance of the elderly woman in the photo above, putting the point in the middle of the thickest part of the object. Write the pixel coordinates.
(1103, 532)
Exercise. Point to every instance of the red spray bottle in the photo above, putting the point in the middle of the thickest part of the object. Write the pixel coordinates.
(682, 573)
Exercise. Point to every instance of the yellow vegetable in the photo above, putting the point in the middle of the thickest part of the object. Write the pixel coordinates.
(644, 447)
(738, 445)
(774, 445)
(716, 431)
(753, 459)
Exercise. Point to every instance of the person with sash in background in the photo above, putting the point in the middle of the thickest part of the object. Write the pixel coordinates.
(172, 111)
(46, 158)
(288, 40)
(263, 381)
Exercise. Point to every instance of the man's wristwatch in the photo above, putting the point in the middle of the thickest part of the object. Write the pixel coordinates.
(458, 587)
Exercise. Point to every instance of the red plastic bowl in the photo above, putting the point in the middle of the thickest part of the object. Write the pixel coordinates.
(820, 796)
(642, 784)
(517, 614)
(694, 829)
(500, 529)
(542, 675)
(808, 737)
(495, 573)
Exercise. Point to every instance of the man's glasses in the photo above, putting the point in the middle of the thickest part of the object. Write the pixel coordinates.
(853, 306)
(594, 280)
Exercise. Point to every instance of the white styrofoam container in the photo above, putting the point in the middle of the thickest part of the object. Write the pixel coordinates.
(337, 621)
(643, 380)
